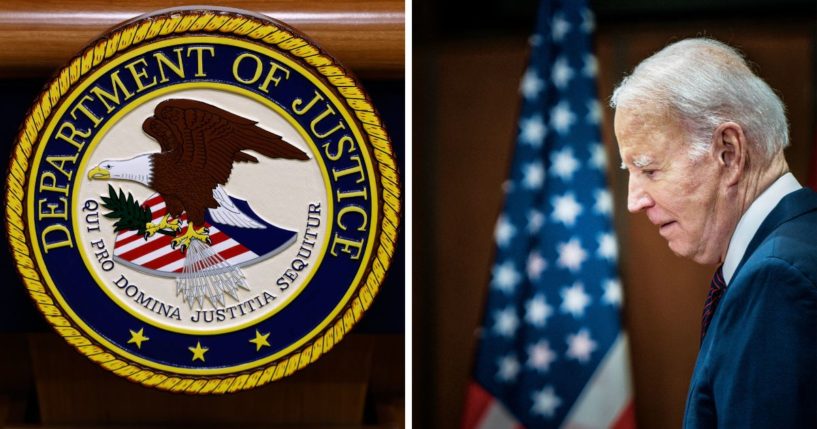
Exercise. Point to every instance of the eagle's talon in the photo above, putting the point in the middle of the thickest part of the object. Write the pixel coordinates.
(164, 223)
(189, 235)
(174, 225)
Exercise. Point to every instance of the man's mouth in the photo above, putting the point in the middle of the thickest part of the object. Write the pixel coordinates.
(665, 226)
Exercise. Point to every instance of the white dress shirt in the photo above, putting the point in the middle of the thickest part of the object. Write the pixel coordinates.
(750, 221)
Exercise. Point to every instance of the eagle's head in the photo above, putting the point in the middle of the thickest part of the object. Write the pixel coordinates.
(137, 169)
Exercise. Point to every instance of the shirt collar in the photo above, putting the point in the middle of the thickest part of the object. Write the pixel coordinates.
(750, 221)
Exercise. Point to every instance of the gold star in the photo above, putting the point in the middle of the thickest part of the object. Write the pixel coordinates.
(198, 351)
(137, 337)
(260, 340)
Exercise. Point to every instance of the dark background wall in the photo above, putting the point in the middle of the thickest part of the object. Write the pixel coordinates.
(468, 61)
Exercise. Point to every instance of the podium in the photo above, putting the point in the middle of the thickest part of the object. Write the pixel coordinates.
(44, 383)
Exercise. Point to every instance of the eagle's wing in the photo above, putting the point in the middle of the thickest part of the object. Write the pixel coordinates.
(228, 213)
(209, 139)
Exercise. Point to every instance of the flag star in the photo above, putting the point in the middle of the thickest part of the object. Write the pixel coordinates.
(535, 221)
(560, 27)
(574, 300)
(580, 346)
(564, 164)
(506, 322)
(535, 40)
(533, 130)
(561, 73)
(604, 202)
(571, 255)
(608, 247)
(508, 368)
(598, 156)
(545, 402)
(505, 277)
(591, 66)
(536, 264)
(593, 112)
(537, 311)
(561, 117)
(534, 175)
(588, 21)
(566, 209)
(531, 84)
(612, 292)
(504, 231)
(540, 356)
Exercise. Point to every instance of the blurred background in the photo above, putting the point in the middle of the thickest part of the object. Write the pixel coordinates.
(468, 59)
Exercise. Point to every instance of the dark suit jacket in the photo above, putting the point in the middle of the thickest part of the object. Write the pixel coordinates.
(757, 367)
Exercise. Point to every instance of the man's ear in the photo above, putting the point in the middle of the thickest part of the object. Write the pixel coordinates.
(730, 150)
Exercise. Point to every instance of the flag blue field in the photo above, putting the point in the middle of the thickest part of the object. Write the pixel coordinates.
(552, 352)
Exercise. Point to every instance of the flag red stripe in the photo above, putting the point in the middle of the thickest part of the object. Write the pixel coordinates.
(626, 419)
(477, 402)
(158, 213)
(156, 199)
(163, 260)
(233, 251)
(216, 238)
(226, 254)
(171, 257)
(146, 248)
(123, 241)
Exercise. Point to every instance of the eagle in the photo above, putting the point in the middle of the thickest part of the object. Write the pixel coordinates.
(199, 144)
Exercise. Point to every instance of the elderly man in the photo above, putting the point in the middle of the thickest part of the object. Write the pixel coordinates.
(702, 138)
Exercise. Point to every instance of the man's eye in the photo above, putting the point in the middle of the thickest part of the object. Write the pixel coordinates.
(649, 173)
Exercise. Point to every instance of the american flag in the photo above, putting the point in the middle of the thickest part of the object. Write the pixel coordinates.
(238, 246)
(552, 352)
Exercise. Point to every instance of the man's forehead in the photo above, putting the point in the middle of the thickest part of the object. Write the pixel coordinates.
(640, 120)
(645, 135)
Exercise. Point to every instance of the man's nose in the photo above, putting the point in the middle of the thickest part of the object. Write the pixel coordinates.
(637, 198)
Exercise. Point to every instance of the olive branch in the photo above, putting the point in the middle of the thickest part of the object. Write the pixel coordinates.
(130, 214)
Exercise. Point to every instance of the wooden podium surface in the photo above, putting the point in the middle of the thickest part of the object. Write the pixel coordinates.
(365, 35)
(44, 381)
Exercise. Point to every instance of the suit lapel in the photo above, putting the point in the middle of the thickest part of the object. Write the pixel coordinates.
(791, 206)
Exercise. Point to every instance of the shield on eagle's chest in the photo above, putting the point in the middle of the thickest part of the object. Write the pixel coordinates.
(238, 246)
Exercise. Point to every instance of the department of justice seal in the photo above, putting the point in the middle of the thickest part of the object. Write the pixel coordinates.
(203, 201)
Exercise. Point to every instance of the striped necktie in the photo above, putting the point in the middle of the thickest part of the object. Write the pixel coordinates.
(716, 289)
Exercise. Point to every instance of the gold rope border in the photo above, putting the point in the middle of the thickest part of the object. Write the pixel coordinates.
(226, 22)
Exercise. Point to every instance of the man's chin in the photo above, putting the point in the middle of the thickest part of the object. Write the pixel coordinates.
(689, 252)
(679, 249)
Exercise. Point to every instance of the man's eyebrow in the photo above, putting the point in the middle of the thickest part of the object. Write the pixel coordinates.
(642, 161)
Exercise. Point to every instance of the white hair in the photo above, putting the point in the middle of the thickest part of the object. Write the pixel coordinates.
(705, 83)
